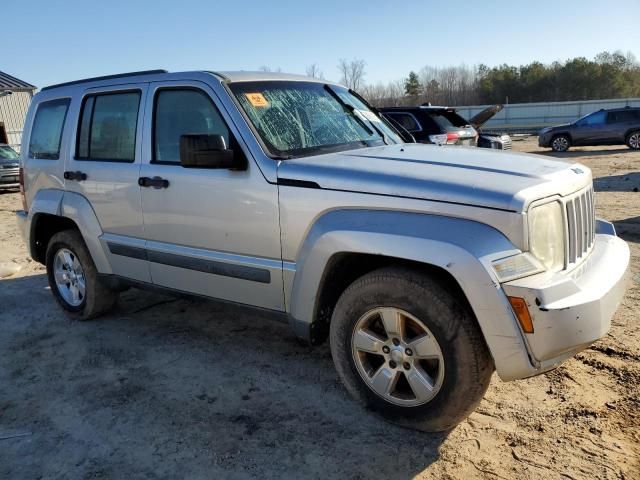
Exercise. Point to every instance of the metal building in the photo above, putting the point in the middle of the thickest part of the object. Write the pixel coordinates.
(531, 117)
(15, 97)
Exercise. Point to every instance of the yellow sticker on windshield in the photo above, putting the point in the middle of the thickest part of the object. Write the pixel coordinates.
(257, 99)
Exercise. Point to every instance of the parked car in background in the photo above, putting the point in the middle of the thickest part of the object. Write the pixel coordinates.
(9, 167)
(426, 268)
(490, 140)
(620, 126)
(445, 126)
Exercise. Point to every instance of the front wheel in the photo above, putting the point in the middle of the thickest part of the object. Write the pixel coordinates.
(561, 143)
(633, 140)
(409, 349)
(73, 277)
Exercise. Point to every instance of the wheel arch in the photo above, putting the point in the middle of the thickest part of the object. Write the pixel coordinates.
(55, 210)
(455, 250)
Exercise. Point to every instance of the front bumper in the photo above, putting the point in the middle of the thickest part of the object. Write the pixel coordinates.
(571, 310)
(544, 140)
(9, 178)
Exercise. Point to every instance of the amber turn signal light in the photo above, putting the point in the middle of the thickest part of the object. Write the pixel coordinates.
(522, 313)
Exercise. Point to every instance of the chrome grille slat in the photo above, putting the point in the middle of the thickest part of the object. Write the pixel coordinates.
(580, 212)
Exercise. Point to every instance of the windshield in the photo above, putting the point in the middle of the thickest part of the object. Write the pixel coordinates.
(303, 118)
(448, 120)
(7, 153)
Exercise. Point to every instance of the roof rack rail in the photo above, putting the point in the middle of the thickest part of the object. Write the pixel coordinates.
(106, 77)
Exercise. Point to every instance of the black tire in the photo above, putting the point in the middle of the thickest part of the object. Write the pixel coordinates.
(98, 298)
(560, 143)
(633, 140)
(468, 365)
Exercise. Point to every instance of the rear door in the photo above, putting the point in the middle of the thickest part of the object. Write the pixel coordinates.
(105, 167)
(214, 232)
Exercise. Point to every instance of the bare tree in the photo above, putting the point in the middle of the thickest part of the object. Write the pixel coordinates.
(266, 68)
(352, 73)
(313, 70)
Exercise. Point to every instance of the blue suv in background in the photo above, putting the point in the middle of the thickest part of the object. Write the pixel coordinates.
(620, 126)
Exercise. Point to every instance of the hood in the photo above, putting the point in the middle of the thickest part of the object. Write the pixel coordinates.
(472, 176)
(554, 127)
(482, 117)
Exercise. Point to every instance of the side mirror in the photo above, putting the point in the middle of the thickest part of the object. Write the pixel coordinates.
(208, 151)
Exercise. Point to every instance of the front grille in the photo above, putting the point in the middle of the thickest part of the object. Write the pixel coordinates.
(581, 225)
(10, 165)
(506, 142)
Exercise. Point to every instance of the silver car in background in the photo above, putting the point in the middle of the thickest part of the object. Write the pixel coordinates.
(9, 168)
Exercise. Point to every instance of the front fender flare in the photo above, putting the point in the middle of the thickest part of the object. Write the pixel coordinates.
(463, 248)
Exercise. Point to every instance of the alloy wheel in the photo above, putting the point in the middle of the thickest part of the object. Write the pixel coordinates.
(397, 356)
(69, 277)
(560, 144)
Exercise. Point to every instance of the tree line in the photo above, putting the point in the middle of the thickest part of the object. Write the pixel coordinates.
(607, 75)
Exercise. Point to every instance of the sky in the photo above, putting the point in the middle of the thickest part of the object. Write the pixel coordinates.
(52, 41)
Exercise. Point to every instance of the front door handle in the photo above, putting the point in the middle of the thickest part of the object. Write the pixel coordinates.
(155, 182)
(78, 176)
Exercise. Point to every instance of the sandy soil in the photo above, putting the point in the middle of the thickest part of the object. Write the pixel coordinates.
(167, 387)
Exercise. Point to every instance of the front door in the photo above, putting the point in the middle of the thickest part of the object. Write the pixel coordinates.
(591, 130)
(213, 232)
(104, 166)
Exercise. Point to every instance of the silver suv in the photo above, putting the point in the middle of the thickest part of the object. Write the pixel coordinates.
(426, 267)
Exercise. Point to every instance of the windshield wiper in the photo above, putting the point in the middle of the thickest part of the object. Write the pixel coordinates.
(350, 109)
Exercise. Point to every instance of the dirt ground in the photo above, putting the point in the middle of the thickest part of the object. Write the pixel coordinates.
(169, 387)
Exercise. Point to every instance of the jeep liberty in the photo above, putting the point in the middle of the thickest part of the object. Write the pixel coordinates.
(426, 268)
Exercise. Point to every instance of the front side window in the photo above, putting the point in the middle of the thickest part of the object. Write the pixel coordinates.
(180, 112)
(107, 129)
(303, 118)
(46, 133)
(597, 118)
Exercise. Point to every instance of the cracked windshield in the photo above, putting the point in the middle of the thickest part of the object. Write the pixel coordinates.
(301, 118)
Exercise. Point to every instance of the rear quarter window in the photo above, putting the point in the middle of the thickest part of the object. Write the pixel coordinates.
(46, 132)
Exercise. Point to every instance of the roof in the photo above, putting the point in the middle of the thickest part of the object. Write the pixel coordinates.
(162, 75)
(244, 76)
(7, 82)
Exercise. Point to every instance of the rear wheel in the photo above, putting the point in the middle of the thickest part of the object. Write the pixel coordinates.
(73, 277)
(560, 143)
(633, 140)
(409, 349)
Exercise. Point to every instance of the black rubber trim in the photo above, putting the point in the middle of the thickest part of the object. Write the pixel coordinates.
(214, 267)
(292, 182)
(127, 251)
(243, 272)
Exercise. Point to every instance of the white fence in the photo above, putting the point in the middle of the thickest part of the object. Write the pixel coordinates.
(531, 117)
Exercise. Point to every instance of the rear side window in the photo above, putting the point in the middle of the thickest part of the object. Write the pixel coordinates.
(447, 120)
(46, 133)
(179, 112)
(107, 127)
(407, 120)
(623, 116)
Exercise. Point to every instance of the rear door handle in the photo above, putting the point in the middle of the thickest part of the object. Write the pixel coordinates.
(155, 182)
(78, 176)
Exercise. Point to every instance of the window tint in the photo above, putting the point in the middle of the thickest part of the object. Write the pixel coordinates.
(407, 120)
(597, 118)
(8, 153)
(108, 127)
(623, 116)
(180, 112)
(46, 132)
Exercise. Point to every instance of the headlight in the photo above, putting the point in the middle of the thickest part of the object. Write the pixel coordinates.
(546, 235)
